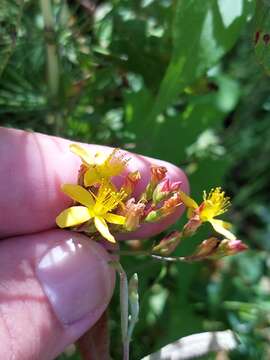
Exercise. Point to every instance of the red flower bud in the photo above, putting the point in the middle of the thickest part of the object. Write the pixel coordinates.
(170, 186)
(130, 182)
(133, 213)
(230, 247)
(168, 244)
(158, 173)
(171, 204)
(193, 224)
(164, 190)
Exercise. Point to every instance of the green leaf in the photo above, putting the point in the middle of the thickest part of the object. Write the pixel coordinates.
(171, 134)
(202, 31)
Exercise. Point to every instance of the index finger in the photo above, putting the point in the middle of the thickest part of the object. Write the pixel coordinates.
(33, 167)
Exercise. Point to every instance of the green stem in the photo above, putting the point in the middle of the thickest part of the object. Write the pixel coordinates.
(157, 257)
(124, 308)
(53, 68)
(132, 253)
(134, 304)
(173, 259)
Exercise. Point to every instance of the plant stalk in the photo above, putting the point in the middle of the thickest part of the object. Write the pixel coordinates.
(53, 68)
(124, 308)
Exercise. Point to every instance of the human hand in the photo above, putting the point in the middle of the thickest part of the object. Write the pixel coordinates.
(54, 284)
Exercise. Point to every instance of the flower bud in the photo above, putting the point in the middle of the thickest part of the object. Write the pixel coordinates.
(229, 247)
(168, 244)
(153, 216)
(158, 173)
(214, 249)
(206, 248)
(130, 182)
(167, 208)
(192, 225)
(164, 190)
(171, 204)
(133, 213)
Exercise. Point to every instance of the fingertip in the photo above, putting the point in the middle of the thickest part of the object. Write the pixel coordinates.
(58, 283)
(76, 276)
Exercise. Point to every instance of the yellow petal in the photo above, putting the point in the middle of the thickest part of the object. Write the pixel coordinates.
(115, 219)
(79, 194)
(100, 158)
(72, 216)
(188, 202)
(82, 153)
(91, 176)
(102, 227)
(221, 228)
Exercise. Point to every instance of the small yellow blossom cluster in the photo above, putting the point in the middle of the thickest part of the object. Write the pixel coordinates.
(101, 208)
(214, 204)
(98, 202)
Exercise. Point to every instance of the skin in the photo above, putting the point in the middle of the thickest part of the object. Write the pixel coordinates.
(33, 166)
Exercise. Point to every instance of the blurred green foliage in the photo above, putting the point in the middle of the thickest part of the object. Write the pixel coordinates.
(177, 80)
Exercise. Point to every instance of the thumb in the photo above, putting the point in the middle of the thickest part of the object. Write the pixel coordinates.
(53, 287)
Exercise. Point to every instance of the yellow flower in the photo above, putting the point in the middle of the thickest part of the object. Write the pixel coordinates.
(214, 204)
(99, 167)
(98, 208)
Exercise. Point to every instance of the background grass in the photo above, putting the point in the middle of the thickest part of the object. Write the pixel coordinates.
(185, 81)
